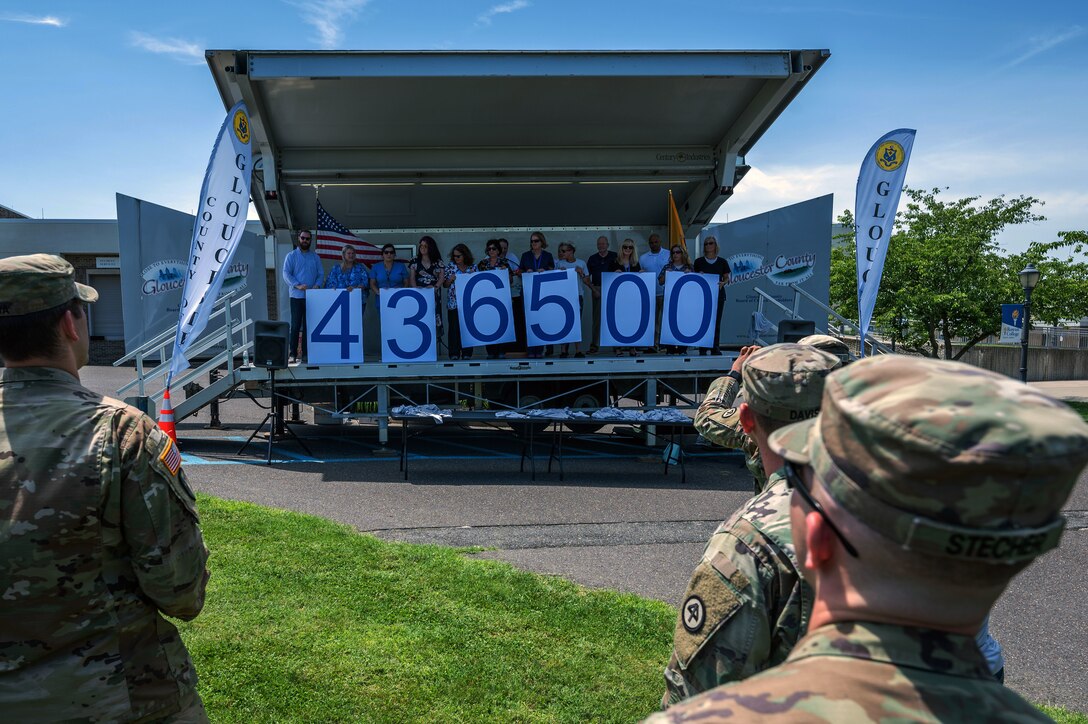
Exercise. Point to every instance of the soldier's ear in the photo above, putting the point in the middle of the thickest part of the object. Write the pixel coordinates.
(819, 542)
(69, 326)
(747, 418)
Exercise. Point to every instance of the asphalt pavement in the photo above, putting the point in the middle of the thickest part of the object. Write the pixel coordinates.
(615, 522)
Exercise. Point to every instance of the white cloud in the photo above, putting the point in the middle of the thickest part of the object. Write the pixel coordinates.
(51, 20)
(510, 7)
(1043, 43)
(180, 50)
(328, 17)
(771, 187)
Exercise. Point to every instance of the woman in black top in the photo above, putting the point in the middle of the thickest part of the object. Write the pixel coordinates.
(537, 260)
(711, 263)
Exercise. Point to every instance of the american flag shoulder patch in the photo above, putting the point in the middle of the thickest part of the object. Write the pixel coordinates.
(171, 457)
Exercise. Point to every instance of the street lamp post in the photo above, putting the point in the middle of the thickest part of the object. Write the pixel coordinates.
(1029, 277)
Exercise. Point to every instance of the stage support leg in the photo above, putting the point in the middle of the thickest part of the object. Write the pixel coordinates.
(651, 402)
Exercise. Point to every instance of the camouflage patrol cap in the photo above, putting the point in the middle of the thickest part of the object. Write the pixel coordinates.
(37, 282)
(829, 344)
(786, 381)
(943, 458)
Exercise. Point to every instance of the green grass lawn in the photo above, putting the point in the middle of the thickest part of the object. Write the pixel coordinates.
(1080, 407)
(308, 620)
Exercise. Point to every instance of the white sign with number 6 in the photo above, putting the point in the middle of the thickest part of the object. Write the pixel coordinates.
(408, 329)
(485, 308)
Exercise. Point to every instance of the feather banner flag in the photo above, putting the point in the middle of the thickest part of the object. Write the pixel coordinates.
(880, 184)
(220, 222)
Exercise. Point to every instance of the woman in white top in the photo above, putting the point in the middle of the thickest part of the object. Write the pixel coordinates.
(567, 261)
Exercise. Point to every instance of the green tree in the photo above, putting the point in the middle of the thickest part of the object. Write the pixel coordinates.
(945, 275)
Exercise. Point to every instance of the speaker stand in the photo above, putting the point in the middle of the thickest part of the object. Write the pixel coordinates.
(274, 420)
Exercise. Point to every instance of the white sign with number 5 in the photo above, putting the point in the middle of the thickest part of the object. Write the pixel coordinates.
(552, 314)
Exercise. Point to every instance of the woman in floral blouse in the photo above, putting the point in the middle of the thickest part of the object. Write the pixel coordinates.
(425, 271)
(349, 274)
(493, 262)
(460, 263)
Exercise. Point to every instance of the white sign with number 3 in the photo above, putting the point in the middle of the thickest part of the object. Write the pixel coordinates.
(408, 329)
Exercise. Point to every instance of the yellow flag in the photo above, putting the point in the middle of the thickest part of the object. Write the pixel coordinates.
(676, 229)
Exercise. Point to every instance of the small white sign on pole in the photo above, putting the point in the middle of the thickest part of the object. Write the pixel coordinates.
(628, 311)
(552, 313)
(408, 329)
(485, 308)
(691, 302)
(334, 326)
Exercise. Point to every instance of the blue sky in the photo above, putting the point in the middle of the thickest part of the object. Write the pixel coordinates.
(116, 97)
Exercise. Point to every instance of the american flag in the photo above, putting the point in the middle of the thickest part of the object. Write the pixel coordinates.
(170, 457)
(332, 236)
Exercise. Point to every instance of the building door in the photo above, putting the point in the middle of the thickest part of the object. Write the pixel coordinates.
(107, 314)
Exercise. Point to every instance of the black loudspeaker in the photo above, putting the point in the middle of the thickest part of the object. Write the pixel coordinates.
(794, 330)
(270, 344)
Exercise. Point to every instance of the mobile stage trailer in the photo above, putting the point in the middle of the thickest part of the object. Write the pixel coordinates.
(469, 145)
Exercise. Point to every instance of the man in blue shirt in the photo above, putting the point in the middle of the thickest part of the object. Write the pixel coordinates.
(301, 270)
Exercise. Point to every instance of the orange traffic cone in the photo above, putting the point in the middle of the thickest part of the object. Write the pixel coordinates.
(166, 417)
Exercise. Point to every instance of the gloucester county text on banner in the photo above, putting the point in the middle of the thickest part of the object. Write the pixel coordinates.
(220, 221)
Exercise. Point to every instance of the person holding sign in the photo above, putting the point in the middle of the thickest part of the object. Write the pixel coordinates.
(679, 263)
(537, 260)
(302, 271)
(390, 274)
(518, 345)
(567, 261)
(625, 261)
(493, 262)
(711, 263)
(654, 261)
(603, 261)
(425, 271)
(349, 275)
(460, 263)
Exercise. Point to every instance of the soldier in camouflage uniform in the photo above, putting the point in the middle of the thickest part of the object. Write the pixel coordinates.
(99, 533)
(920, 491)
(746, 604)
(718, 417)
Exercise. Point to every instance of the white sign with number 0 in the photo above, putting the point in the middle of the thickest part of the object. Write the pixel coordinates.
(691, 304)
(628, 309)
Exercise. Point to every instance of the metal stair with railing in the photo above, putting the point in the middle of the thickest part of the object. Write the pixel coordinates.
(229, 325)
(761, 325)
